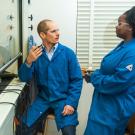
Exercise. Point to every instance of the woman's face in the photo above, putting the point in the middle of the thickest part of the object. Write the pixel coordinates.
(123, 29)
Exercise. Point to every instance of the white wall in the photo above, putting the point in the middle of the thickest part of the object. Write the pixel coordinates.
(63, 12)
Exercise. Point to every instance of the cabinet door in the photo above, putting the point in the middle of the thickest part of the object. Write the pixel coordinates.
(9, 30)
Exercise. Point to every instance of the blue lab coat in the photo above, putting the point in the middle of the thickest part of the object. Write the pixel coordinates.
(59, 82)
(114, 95)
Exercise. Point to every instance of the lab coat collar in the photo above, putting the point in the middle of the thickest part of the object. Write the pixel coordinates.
(130, 42)
(53, 48)
(58, 50)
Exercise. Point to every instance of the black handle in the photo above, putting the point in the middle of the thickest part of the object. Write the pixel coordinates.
(11, 17)
(11, 27)
(28, 1)
(31, 27)
(31, 17)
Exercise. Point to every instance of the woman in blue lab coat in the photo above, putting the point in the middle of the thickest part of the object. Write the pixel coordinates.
(59, 80)
(113, 100)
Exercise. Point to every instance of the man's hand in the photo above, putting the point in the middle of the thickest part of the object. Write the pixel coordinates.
(34, 53)
(68, 110)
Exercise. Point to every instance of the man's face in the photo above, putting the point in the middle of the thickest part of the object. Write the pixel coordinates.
(52, 35)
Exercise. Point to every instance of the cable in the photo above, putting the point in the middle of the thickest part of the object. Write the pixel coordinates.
(14, 123)
(11, 85)
(19, 89)
(10, 91)
(23, 102)
(8, 103)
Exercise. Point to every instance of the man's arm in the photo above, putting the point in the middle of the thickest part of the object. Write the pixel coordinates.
(26, 71)
(120, 81)
(75, 82)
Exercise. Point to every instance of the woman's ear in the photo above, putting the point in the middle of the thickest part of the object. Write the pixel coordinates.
(130, 29)
(42, 35)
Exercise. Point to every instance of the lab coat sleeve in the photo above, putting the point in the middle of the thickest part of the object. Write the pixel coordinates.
(118, 82)
(25, 72)
(75, 82)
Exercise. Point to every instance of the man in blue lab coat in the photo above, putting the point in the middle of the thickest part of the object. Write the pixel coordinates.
(113, 100)
(59, 80)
